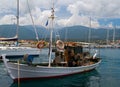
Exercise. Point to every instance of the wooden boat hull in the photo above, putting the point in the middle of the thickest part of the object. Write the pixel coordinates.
(35, 72)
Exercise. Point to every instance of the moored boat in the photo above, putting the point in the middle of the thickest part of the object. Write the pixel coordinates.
(31, 72)
(69, 58)
(62, 66)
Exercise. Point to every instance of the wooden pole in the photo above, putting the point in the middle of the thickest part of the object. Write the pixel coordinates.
(18, 74)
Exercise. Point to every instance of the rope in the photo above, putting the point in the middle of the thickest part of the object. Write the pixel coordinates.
(32, 21)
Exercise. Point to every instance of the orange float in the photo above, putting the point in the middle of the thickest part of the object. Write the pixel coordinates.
(40, 44)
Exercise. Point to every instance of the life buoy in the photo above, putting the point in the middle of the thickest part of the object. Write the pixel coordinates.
(60, 45)
(40, 44)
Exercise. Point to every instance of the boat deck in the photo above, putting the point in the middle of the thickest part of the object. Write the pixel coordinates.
(61, 64)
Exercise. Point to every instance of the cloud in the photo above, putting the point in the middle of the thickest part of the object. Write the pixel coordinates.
(7, 19)
(81, 10)
(77, 17)
(78, 11)
(39, 17)
(78, 20)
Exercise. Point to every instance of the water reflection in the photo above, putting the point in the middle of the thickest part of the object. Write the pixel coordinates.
(88, 79)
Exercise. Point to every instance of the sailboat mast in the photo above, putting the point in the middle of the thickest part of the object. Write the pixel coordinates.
(51, 31)
(89, 35)
(17, 20)
(114, 35)
(107, 39)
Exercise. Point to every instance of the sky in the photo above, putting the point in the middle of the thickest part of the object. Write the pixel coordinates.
(98, 13)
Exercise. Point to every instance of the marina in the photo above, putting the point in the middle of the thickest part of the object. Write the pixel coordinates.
(70, 58)
(59, 44)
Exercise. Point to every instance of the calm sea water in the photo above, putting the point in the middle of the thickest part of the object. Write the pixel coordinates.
(106, 75)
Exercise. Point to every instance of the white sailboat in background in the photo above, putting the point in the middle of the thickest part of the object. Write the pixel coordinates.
(108, 45)
(114, 44)
(16, 50)
(69, 59)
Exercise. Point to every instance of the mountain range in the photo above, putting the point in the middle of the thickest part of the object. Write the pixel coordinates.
(76, 33)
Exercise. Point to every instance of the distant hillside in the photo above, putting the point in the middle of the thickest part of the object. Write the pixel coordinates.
(24, 32)
(73, 33)
(81, 33)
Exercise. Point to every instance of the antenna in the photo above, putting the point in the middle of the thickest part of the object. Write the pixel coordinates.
(52, 11)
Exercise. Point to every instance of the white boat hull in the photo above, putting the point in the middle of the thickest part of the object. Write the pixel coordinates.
(34, 72)
(19, 51)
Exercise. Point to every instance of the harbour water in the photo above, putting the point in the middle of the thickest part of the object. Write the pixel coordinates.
(106, 75)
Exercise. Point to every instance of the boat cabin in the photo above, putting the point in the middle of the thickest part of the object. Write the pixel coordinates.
(72, 56)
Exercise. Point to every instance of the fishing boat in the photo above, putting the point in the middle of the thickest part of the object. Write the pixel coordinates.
(57, 68)
(69, 58)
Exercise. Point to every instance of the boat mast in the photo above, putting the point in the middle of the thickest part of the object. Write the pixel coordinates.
(17, 20)
(114, 35)
(51, 32)
(89, 35)
(107, 39)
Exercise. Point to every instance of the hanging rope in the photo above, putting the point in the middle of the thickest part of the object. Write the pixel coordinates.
(33, 21)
